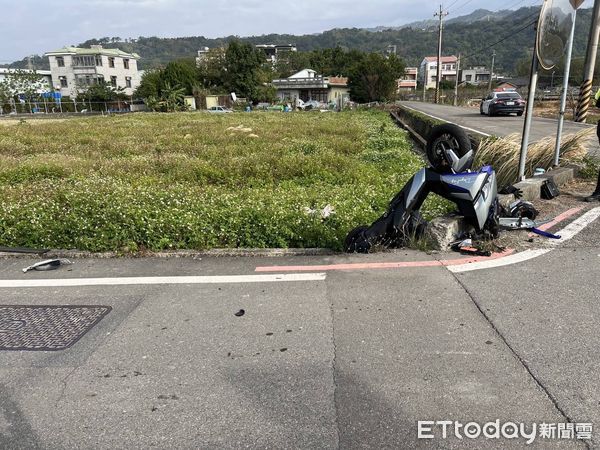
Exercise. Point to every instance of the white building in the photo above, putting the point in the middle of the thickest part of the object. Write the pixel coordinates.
(74, 69)
(43, 85)
(428, 70)
(307, 85)
(475, 75)
(273, 51)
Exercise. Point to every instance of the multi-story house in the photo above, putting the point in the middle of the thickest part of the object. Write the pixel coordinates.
(475, 75)
(273, 52)
(409, 81)
(74, 69)
(307, 85)
(428, 70)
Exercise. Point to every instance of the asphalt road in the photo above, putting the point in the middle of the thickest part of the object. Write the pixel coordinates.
(349, 360)
(497, 125)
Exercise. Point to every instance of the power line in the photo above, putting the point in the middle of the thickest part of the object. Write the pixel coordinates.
(452, 4)
(500, 40)
(462, 5)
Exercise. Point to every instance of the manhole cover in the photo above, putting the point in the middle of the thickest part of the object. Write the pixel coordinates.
(46, 328)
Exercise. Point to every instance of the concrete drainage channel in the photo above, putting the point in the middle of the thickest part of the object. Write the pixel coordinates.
(444, 230)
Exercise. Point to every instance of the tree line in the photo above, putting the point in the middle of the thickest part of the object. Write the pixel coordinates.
(241, 68)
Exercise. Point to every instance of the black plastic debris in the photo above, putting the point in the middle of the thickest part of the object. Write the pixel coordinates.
(240, 313)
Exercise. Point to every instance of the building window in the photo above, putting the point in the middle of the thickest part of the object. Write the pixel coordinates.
(84, 61)
(100, 79)
(128, 82)
(63, 82)
(126, 63)
(60, 61)
(469, 77)
(111, 62)
(99, 60)
(113, 81)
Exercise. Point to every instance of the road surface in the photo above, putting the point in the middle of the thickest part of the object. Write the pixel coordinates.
(497, 125)
(337, 359)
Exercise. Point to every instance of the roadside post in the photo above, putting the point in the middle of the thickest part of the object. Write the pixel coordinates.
(563, 99)
(549, 48)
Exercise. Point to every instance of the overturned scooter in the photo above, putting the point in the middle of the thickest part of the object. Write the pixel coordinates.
(474, 193)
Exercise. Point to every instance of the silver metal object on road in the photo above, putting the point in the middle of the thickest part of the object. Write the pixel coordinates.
(49, 264)
(520, 223)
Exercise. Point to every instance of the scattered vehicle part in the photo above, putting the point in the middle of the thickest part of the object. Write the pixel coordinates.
(507, 190)
(520, 223)
(545, 234)
(49, 264)
(23, 250)
(522, 208)
(474, 193)
(549, 190)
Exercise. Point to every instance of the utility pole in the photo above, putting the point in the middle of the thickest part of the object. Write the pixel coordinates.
(492, 71)
(455, 103)
(585, 91)
(438, 77)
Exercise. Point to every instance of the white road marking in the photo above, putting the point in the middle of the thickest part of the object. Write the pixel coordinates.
(506, 261)
(571, 230)
(566, 233)
(446, 120)
(224, 279)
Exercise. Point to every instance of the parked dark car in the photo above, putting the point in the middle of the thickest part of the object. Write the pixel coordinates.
(505, 102)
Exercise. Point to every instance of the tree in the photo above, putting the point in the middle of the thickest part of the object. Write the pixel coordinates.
(23, 86)
(171, 99)
(373, 78)
(182, 73)
(242, 69)
(149, 84)
(102, 92)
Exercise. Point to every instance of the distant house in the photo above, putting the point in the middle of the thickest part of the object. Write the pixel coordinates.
(409, 81)
(202, 56)
(274, 51)
(307, 85)
(513, 83)
(475, 75)
(43, 85)
(428, 70)
(74, 69)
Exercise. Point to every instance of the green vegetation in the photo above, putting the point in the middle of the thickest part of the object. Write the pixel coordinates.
(241, 68)
(590, 165)
(198, 181)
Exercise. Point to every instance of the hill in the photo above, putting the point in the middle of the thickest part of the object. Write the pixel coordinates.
(509, 33)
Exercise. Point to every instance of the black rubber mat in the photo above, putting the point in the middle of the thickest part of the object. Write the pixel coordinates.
(46, 328)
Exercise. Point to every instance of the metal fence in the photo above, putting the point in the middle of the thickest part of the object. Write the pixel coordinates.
(48, 106)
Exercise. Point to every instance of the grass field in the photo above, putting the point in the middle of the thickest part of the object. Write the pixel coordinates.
(198, 181)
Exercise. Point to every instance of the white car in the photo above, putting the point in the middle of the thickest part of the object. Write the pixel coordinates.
(219, 109)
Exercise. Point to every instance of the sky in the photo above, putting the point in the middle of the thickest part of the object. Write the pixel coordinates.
(36, 26)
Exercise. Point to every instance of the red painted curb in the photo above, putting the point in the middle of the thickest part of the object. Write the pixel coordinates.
(382, 265)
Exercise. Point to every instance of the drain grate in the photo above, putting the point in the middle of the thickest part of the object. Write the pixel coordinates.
(46, 328)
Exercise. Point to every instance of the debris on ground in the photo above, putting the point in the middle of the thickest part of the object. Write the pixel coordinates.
(49, 264)
(240, 313)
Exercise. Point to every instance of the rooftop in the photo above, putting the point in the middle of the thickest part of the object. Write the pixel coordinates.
(443, 59)
(94, 50)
